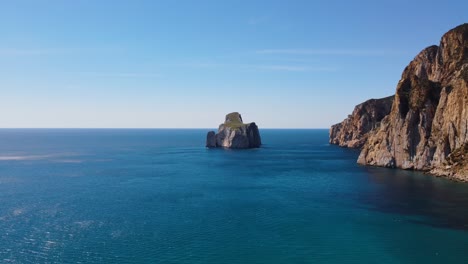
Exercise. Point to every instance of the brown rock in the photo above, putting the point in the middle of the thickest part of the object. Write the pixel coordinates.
(427, 128)
(353, 131)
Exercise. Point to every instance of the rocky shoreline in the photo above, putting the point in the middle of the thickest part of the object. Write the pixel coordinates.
(353, 131)
(426, 127)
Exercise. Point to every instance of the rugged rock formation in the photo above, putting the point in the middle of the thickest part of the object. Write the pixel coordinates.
(427, 128)
(353, 131)
(233, 133)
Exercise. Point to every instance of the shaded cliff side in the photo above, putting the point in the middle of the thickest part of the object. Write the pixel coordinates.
(353, 131)
(427, 128)
(233, 133)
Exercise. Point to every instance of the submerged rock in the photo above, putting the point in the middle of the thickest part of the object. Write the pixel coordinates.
(233, 133)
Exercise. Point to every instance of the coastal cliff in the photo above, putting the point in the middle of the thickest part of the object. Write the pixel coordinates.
(353, 131)
(233, 133)
(427, 126)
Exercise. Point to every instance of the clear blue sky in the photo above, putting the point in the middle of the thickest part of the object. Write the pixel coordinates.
(283, 64)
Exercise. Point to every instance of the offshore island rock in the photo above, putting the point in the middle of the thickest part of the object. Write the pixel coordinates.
(233, 133)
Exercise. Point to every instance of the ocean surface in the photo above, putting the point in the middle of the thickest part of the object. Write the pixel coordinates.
(158, 196)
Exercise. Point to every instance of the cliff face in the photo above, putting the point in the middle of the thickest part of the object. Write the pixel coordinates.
(233, 133)
(353, 131)
(427, 128)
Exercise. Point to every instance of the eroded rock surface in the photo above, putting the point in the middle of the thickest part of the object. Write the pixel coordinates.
(233, 133)
(427, 128)
(353, 131)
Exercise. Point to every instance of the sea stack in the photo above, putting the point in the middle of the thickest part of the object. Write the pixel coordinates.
(427, 127)
(234, 134)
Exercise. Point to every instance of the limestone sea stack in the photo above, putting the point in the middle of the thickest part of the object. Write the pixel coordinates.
(353, 131)
(233, 133)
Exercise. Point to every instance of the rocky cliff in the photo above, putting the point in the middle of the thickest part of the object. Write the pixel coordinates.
(233, 133)
(427, 128)
(353, 131)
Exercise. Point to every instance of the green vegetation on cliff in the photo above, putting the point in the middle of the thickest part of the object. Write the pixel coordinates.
(234, 120)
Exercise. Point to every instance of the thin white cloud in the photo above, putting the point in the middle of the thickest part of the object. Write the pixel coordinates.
(7, 51)
(201, 64)
(24, 52)
(257, 20)
(348, 52)
(291, 68)
(263, 67)
(119, 74)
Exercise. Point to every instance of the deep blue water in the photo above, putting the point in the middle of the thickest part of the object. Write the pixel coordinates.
(158, 196)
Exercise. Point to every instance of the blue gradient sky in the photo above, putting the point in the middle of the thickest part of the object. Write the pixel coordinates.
(180, 64)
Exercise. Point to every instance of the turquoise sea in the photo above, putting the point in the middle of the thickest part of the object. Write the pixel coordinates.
(158, 196)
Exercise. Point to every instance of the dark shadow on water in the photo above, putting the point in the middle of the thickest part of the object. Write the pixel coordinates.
(436, 201)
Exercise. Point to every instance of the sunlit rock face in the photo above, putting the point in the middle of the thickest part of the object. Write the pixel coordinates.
(427, 127)
(354, 130)
(233, 133)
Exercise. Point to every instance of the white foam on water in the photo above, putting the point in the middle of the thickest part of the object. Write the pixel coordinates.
(18, 211)
(69, 161)
(25, 157)
(17, 157)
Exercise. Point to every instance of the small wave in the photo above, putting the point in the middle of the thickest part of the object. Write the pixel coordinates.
(69, 161)
(84, 224)
(26, 157)
(7, 180)
(18, 211)
(116, 234)
(57, 156)
(49, 244)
